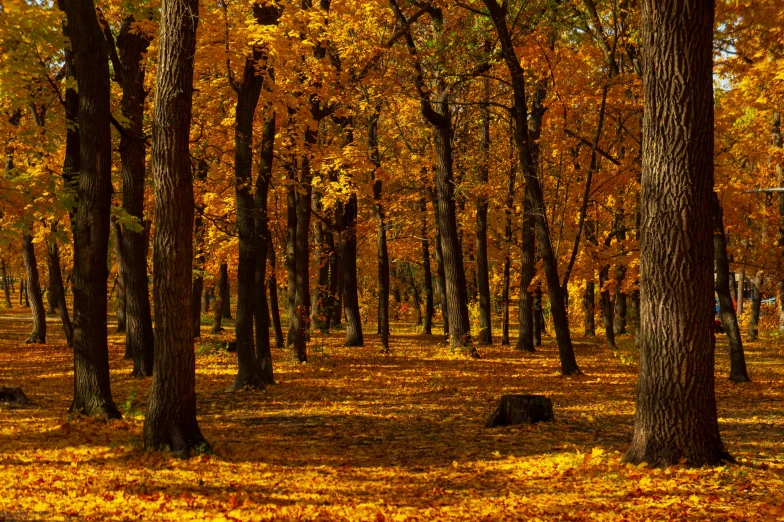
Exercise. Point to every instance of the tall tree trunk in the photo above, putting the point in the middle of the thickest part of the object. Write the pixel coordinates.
(440, 267)
(272, 284)
(756, 302)
(319, 306)
(525, 311)
(57, 289)
(261, 313)
(381, 233)
(336, 272)
(217, 306)
(132, 45)
(354, 335)
(38, 336)
(509, 212)
(676, 415)
(21, 292)
(607, 307)
(454, 273)
(248, 93)
(778, 143)
(741, 289)
(199, 259)
(171, 410)
(482, 267)
(533, 190)
(589, 308)
(619, 323)
(427, 274)
(226, 302)
(538, 315)
(92, 392)
(727, 315)
(120, 301)
(6, 286)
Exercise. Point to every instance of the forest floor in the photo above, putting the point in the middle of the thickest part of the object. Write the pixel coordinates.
(356, 435)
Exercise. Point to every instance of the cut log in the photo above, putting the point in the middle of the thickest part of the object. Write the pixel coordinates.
(521, 409)
(13, 395)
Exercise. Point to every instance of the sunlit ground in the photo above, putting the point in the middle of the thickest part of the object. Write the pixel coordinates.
(355, 434)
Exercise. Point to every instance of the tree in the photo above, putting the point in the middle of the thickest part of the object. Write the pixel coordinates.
(170, 420)
(38, 336)
(676, 407)
(92, 393)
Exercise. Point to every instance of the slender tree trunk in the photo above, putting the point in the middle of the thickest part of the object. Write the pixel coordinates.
(354, 335)
(319, 306)
(135, 244)
(778, 143)
(336, 273)
(727, 315)
(6, 289)
(440, 268)
(21, 292)
(534, 198)
(427, 274)
(381, 235)
(199, 259)
(120, 301)
(205, 299)
(741, 289)
(227, 301)
(92, 392)
(756, 302)
(272, 283)
(57, 289)
(676, 414)
(525, 312)
(217, 305)
(248, 93)
(38, 336)
(509, 212)
(538, 315)
(589, 308)
(171, 411)
(619, 323)
(261, 313)
(482, 267)
(607, 307)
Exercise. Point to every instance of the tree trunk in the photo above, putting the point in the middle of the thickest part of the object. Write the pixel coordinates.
(205, 299)
(533, 190)
(727, 315)
(778, 143)
(676, 415)
(171, 411)
(454, 273)
(589, 309)
(38, 336)
(319, 306)
(482, 267)
(756, 302)
(261, 313)
(6, 286)
(272, 283)
(120, 301)
(525, 312)
(508, 211)
(21, 291)
(248, 93)
(92, 392)
(607, 307)
(200, 175)
(538, 315)
(56, 288)
(440, 267)
(336, 273)
(741, 289)
(354, 335)
(132, 46)
(217, 305)
(427, 276)
(381, 233)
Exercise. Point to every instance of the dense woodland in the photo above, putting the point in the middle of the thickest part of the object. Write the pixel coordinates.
(507, 173)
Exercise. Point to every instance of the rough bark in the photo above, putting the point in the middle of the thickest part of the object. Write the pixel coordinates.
(92, 392)
(170, 420)
(33, 286)
(440, 268)
(676, 415)
(727, 315)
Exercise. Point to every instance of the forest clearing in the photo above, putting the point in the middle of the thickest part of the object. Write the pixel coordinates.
(357, 435)
(391, 260)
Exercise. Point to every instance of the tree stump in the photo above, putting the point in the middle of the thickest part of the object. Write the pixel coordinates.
(521, 409)
(13, 395)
